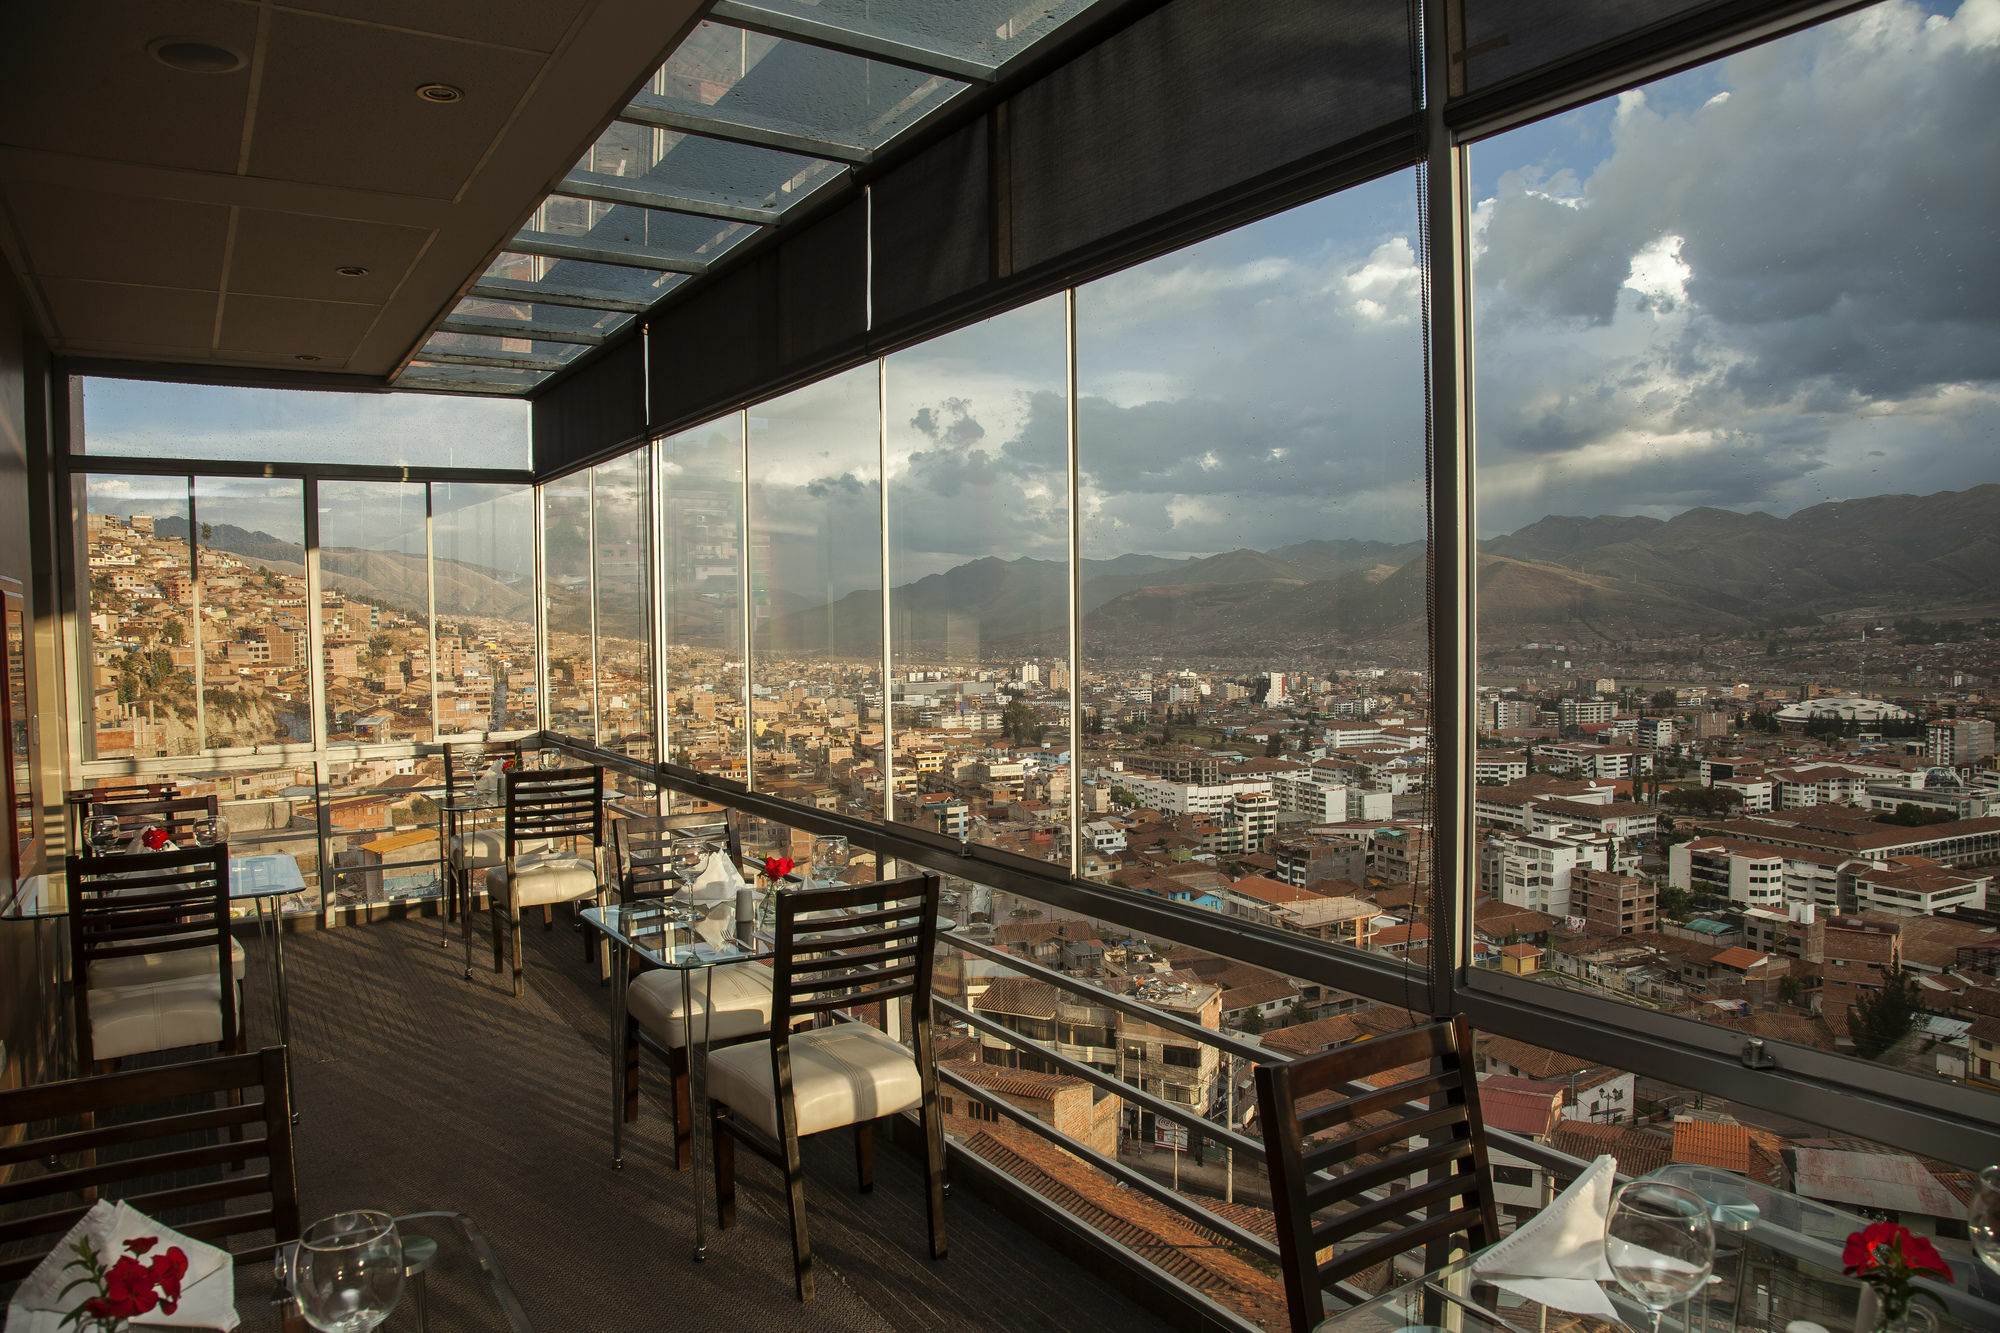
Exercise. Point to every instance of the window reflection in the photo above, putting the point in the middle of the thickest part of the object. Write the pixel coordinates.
(566, 590)
(701, 522)
(624, 589)
(485, 607)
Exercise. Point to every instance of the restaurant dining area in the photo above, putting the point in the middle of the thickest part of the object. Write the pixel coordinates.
(1329, 667)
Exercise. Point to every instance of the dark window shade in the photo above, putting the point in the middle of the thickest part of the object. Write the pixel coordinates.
(719, 344)
(934, 226)
(823, 286)
(1194, 99)
(601, 406)
(1504, 38)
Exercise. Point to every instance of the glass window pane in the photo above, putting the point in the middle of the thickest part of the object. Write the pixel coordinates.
(978, 488)
(374, 611)
(485, 607)
(256, 682)
(624, 588)
(572, 704)
(986, 31)
(445, 377)
(711, 169)
(139, 589)
(533, 317)
(484, 344)
(626, 227)
(270, 812)
(701, 485)
(154, 419)
(1251, 445)
(576, 275)
(382, 818)
(815, 587)
(1733, 462)
(749, 78)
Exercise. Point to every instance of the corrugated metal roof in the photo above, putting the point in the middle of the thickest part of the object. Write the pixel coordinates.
(1888, 1181)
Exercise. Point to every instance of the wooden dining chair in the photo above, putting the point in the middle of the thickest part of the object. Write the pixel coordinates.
(482, 848)
(178, 815)
(80, 801)
(1405, 1157)
(736, 997)
(553, 827)
(186, 1168)
(842, 947)
(150, 953)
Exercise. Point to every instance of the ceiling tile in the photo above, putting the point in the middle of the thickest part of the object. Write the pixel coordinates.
(91, 88)
(280, 329)
(338, 106)
(535, 24)
(110, 312)
(295, 254)
(118, 237)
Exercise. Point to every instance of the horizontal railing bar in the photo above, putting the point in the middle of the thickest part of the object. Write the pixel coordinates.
(1079, 1069)
(500, 328)
(649, 109)
(1193, 1211)
(511, 290)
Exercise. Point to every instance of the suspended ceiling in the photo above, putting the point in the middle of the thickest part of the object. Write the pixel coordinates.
(204, 218)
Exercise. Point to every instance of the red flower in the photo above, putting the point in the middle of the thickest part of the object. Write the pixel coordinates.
(778, 866)
(167, 1270)
(1922, 1257)
(142, 1244)
(128, 1285)
(154, 838)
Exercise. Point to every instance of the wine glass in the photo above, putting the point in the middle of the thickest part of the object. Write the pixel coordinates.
(102, 832)
(347, 1271)
(208, 832)
(1659, 1242)
(830, 856)
(1982, 1224)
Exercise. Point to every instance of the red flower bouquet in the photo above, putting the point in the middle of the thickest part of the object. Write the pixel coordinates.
(128, 1287)
(777, 867)
(155, 839)
(1887, 1256)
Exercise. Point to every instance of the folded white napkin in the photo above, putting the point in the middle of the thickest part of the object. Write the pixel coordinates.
(714, 926)
(1557, 1258)
(718, 881)
(489, 781)
(208, 1288)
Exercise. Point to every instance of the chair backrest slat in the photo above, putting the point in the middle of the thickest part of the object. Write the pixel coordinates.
(822, 930)
(1446, 1160)
(218, 1167)
(554, 803)
(176, 814)
(129, 903)
(645, 847)
(81, 800)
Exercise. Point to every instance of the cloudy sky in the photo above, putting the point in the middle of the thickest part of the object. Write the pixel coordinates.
(1764, 284)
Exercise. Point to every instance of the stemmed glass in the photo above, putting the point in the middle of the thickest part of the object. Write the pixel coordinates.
(347, 1271)
(102, 832)
(1660, 1243)
(208, 832)
(830, 855)
(1982, 1223)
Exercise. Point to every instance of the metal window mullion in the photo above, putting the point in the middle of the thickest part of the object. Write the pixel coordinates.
(541, 611)
(745, 582)
(1075, 588)
(656, 603)
(315, 632)
(431, 599)
(195, 636)
(882, 496)
(590, 568)
(323, 819)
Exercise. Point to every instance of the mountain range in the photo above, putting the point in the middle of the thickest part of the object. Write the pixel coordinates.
(1605, 578)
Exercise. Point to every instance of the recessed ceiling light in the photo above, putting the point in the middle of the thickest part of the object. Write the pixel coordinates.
(439, 92)
(351, 271)
(305, 356)
(191, 55)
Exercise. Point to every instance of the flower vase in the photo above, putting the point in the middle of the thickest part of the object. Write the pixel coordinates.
(1870, 1317)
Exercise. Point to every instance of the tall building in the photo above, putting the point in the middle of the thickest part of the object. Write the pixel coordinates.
(1959, 742)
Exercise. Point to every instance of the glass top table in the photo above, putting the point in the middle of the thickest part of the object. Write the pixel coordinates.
(1777, 1262)
(453, 1282)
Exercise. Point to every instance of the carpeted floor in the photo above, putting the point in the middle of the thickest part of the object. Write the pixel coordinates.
(420, 1090)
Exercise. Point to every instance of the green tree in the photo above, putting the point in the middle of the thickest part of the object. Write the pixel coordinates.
(1879, 1021)
(1673, 902)
(1662, 700)
(173, 632)
(207, 532)
(1253, 1022)
(1790, 990)
(1274, 745)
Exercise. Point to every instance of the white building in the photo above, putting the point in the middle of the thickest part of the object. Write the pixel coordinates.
(1533, 871)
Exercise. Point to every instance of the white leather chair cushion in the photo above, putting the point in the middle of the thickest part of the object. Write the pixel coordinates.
(163, 1016)
(841, 1075)
(483, 849)
(148, 968)
(741, 995)
(542, 879)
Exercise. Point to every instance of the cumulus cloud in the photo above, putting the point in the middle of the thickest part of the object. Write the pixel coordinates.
(1764, 293)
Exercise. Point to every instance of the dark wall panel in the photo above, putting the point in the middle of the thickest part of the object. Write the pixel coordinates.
(717, 345)
(823, 286)
(600, 406)
(934, 226)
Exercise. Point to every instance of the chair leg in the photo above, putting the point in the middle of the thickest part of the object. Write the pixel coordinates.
(724, 1141)
(933, 1127)
(514, 934)
(631, 1111)
(864, 1156)
(493, 915)
(548, 917)
(795, 1192)
(677, 1086)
